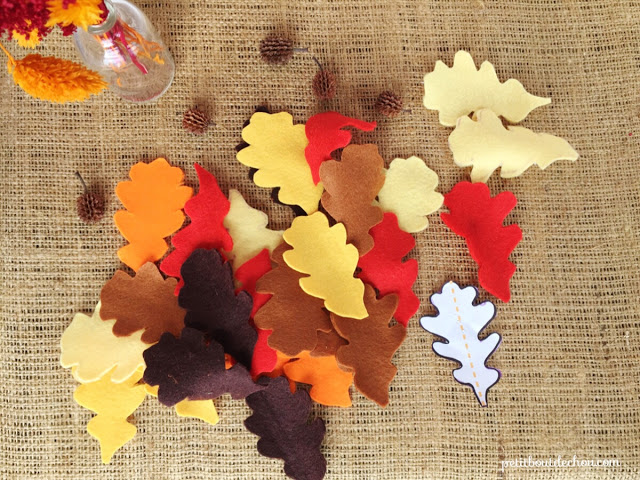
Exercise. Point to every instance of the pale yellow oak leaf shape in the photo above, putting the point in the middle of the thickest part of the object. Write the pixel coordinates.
(113, 403)
(91, 349)
(276, 149)
(485, 144)
(457, 91)
(322, 253)
(204, 410)
(409, 193)
(248, 229)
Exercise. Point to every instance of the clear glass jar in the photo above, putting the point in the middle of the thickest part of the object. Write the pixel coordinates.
(128, 52)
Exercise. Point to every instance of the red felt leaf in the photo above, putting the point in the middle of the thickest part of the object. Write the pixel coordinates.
(325, 134)
(383, 267)
(478, 218)
(207, 211)
(264, 357)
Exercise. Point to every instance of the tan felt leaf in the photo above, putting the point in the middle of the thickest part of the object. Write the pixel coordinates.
(372, 343)
(351, 187)
(145, 301)
(486, 145)
(457, 91)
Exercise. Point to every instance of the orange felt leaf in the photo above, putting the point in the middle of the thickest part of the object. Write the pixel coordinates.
(154, 199)
(351, 185)
(329, 383)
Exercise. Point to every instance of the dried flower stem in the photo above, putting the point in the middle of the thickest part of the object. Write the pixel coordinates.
(86, 190)
(12, 60)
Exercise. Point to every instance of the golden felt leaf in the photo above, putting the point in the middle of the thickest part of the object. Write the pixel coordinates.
(203, 410)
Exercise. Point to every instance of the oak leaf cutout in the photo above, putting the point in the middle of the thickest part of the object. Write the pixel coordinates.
(203, 410)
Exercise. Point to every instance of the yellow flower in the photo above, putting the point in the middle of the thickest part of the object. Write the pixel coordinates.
(25, 41)
(80, 13)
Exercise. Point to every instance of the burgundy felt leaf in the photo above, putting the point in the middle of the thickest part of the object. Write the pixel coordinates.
(188, 367)
(478, 218)
(383, 267)
(281, 420)
(206, 210)
(214, 308)
(325, 134)
(264, 357)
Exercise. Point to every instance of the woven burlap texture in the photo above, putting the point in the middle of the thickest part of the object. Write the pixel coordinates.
(570, 353)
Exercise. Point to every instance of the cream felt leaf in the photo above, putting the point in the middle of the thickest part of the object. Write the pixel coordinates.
(276, 149)
(485, 144)
(409, 192)
(203, 410)
(113, 403)
(457, 91)
(322, 252)
(248, 229)
(91, 349)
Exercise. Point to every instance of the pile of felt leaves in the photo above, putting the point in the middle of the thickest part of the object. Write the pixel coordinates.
(248, 311)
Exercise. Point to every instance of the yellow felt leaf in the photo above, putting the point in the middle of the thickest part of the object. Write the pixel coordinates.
(485, 144)
(461, 89)
(90, 347)
(276, 149)
(248, 229)
(322, 252)
(113, 403)
(202, 409)
(409, 192)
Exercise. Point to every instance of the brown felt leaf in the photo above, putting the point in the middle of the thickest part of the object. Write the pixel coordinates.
(294, 316)
(328, 344)
(372, 343)
(145, 301)
(351, 187)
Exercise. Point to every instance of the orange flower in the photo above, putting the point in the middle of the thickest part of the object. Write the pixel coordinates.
(27, 40)
(80, 13)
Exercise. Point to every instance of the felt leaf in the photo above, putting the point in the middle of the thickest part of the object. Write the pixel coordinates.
(457, 91)
(154, 199)
(203, 410)
(325, 134)
(280, 419)
(191, 368)
(459, 322)
(91, 350)
(351, 187)
(409, 193)
(485, 144)
(384, 269)
(478, 218)
(322, 253)
(113, 403)
(264, 357)
(214, 308)
(276, 148)
(293, 316)
(248, 229)
(144, 302)
(372, 343)
(328, 344)
(329, 383)
(207, 211)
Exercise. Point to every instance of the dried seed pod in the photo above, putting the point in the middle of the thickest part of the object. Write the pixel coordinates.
(90, 205)
(324, 83)
(276, 49)
(389, 104)
(195, 121)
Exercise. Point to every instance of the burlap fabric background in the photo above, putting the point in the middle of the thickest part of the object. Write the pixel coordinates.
(570, 352)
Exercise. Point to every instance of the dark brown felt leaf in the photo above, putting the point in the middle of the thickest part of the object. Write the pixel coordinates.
(372, 343)
(281, 420)
(328, 344)
(188, 367)
(145, 301)
(212, 306)
(351, 185)
(292, 315)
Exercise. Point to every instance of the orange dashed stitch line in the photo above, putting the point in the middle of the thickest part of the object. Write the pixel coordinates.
(466, 345)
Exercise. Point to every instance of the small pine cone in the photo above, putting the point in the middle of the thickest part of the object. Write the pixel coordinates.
(389, 104)
(90, 207)
(276, 50)
(324, 85)
(195, 121)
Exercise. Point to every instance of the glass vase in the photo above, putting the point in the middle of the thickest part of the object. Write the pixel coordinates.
(128, 52)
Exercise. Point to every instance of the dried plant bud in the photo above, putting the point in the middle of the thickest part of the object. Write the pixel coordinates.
(195, 121)
(389, 104)
(324, 83)
(276, 49)
(90, 205)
